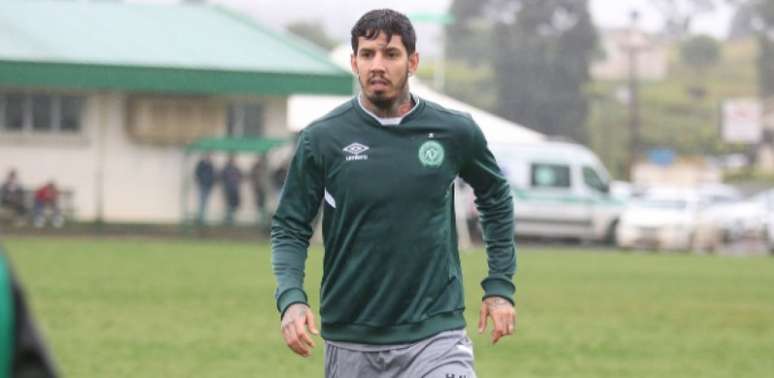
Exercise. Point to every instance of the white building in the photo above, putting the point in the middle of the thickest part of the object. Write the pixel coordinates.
(103, 98)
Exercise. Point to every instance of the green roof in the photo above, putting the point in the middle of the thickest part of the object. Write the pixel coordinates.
(156, 47)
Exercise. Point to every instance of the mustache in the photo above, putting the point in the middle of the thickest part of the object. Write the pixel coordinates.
(379, 77)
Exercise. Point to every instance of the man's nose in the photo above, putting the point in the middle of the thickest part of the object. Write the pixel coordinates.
(378, 63)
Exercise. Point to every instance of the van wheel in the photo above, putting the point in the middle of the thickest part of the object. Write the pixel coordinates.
(611, 233)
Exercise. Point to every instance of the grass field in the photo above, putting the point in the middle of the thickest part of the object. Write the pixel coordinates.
(132, 308)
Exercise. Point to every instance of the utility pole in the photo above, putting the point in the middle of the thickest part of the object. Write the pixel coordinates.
(633, 44)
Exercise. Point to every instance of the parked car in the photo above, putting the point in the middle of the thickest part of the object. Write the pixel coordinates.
(745, 219)
(765, 200)
(661, 219)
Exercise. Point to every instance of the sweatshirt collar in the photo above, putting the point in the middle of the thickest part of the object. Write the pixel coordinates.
(390, 121)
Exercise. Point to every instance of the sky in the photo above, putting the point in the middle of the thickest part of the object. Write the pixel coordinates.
(338, 16)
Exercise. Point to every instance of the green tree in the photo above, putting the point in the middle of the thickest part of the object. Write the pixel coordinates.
(763, 23)
(314, 32)
(542, 65)
(678, 15)
(742, 22)
(540, 52)
(700, 52)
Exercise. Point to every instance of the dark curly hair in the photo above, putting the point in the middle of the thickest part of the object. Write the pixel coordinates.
(385, 21)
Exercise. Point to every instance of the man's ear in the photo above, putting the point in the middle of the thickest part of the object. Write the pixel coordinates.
(413, 63)
(353, 64)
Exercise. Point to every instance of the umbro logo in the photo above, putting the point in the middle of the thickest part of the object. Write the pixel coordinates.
(355, 151)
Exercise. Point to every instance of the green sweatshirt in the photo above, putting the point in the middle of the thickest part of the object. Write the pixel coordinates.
(391, 270)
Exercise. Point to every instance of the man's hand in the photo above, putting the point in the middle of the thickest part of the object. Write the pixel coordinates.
(294, 324)
(503, 316)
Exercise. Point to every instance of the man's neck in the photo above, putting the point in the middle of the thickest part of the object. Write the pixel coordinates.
(398, 108)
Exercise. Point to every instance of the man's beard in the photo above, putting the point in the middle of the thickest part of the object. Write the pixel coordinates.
(387, 103)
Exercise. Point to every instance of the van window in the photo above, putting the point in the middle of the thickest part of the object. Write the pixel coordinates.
(550, 176)
(593, 181)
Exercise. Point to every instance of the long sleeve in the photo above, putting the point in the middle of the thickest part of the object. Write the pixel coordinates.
(291, 227)
(495, 206)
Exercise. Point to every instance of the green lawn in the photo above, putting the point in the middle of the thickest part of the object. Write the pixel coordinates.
(131, 308)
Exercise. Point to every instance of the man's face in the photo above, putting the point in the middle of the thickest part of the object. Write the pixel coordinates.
(383, 68)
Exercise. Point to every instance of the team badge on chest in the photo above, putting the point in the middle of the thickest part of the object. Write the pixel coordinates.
(431, 154)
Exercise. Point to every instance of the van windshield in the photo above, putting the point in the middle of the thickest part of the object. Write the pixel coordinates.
(593, 181)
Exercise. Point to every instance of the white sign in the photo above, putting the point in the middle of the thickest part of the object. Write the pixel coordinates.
(742, 121)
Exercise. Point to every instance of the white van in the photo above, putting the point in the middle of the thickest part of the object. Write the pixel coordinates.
(561, 190)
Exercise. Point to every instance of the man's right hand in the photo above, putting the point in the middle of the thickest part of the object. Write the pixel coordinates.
(298, 317)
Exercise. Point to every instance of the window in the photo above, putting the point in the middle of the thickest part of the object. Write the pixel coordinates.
(550, 175)
(70, 113)
(40, 112)
(14, 112)
(593, 181)
(245, 119)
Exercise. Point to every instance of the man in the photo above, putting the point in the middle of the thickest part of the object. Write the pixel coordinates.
(204, 173)
(12, 196)
(232, 182)
(258, 184)
(384, 165)
(47, 206)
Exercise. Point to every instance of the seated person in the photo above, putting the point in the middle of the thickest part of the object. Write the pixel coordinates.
(12, 196)
(47, 206)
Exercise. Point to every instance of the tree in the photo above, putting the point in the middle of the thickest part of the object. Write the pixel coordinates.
(314, 32)
(742, 21)
(763, 24)
(679, 14)
(700, 52)
(540, 52)
(542, 65)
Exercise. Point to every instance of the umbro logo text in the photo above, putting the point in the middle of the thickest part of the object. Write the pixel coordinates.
(355, 151)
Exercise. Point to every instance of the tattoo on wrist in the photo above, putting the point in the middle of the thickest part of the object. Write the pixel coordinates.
(293, 312)
(497, 302)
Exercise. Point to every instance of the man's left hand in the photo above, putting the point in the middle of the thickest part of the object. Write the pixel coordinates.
(503, 316)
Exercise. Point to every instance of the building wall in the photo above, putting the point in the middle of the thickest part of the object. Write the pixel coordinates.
(114, 176)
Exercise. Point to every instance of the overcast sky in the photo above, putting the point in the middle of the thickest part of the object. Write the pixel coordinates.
(339, 15)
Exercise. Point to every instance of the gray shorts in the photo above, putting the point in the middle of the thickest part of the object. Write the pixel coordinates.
(448, 354)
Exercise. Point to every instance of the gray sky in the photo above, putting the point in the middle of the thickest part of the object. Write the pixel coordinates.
(339, 15)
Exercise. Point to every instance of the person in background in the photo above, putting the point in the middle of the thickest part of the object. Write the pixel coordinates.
(205, 181)
(279, 174)
(232, 180)
(23, 353)
(12, 196)
(258, 183)
(47, 206)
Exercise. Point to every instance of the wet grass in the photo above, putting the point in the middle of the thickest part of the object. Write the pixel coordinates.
(150, 308)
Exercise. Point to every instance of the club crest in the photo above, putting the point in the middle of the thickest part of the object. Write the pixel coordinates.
(431, 154)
